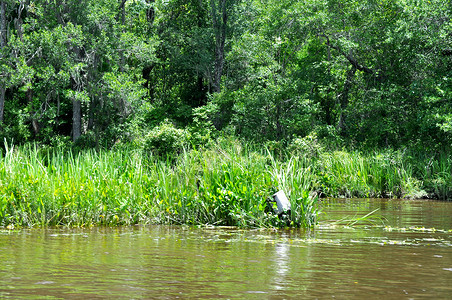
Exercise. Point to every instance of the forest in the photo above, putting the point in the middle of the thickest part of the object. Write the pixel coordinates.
(365, 81)
(362, 74)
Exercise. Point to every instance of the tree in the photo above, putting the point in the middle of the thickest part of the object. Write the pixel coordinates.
(219, 15)
(370, 73)
(3, 41)
(55, 61)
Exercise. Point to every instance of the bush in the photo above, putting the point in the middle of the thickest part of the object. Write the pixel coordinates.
(202, 130)
(165, 140)
(308, 145)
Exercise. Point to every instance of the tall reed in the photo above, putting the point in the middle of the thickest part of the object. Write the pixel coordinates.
(436, 173)
(228, 183)
(377, 174)
(223, 185)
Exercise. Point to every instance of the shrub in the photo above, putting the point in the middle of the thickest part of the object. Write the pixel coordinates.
(202, 130)
(308, 145)
(165, 140)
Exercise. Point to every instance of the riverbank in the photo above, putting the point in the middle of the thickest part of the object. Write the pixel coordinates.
(227, 183)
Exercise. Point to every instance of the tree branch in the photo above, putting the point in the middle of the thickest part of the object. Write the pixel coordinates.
(349, 57)
(120, 10)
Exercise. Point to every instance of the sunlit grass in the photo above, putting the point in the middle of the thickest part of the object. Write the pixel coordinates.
(217, 186)
(436, 172)
(353, 174)
(228, 183)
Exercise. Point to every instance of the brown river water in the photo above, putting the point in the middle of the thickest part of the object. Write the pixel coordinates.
(405, 252)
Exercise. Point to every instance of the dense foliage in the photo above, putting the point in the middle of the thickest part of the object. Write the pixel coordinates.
(228, 183)
(342, 98)
(359, 73)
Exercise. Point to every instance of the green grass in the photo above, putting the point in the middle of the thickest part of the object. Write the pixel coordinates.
(436, 173)
(228, 183)
(353, 174)
(368, 219)
(223, 185)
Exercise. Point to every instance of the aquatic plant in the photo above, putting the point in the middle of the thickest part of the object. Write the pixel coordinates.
(371, 218)
(378, 174)
(436, 173)
(220, 186)
(227, 183)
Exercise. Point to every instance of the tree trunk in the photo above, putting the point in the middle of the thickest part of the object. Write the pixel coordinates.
(344, 98)
(18, 21)
(2, 24)
(2, 45)
(150, 13)
(219, 20)
(2, 103)
(146, 73)
(34, 121)
(60, 6)
(91, 115)
(76, 119)
(279, 127)
(201, 98)
(122, 14)
(78, 85)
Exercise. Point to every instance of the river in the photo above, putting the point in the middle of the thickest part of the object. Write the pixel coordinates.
(404, 251)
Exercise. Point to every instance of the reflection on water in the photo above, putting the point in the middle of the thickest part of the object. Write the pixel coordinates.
(409, 257)
(282, 263)
(398, 213)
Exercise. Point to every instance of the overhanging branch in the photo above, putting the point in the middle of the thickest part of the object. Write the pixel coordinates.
(349, 57)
